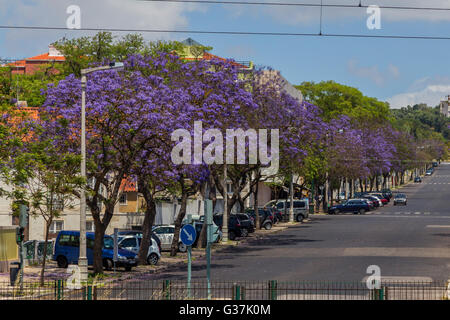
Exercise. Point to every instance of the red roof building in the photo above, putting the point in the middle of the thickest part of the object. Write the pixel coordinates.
(34, 64)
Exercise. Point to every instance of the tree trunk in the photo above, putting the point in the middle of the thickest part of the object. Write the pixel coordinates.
(98, 246)
(44, 257)
(255, 206)
(178, 221)
(149, 219)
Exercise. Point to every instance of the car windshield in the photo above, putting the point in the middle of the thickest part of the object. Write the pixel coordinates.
(400, 195)
(108, 243)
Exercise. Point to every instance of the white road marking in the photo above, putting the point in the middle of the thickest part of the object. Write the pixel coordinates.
(437, 226)
(402, 279)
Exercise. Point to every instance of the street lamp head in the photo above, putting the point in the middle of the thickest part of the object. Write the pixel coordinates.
(116, 65)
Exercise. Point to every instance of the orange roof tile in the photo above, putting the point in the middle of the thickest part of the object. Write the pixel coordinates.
(46, 56)
(128, 186)
(20, 63)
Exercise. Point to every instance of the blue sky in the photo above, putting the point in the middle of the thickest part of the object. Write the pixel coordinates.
(396, 70)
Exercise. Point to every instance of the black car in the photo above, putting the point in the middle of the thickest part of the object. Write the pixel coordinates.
(417, 179)
(353, 205)
(266, 217)
(235, 229)
(246, 223)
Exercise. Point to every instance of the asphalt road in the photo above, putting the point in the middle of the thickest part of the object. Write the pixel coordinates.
(407, 242)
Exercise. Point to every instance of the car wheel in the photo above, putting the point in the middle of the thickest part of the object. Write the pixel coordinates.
(336, 211)
(231, 235)
(299, 218)
(244, 232)
(152, 259)
(108, 264)
(182, 247)
(268, 226)
(362, 211)
(62, 262)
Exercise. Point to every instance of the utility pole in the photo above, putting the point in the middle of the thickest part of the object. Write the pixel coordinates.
(225, 205)
(291, 199)
(82, 258)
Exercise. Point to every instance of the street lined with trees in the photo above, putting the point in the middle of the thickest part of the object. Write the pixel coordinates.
(336, 137)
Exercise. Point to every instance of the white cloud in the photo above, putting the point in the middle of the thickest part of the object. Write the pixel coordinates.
(373, 73)
(426, 90)
(117, 14)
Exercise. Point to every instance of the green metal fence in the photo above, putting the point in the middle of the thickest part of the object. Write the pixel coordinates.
(237, 290)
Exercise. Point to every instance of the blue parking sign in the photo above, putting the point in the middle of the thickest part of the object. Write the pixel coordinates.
(188, 235)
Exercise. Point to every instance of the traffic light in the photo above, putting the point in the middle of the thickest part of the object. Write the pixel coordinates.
(19, 234)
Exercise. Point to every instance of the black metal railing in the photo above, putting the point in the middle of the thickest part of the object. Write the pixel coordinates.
(227, 290)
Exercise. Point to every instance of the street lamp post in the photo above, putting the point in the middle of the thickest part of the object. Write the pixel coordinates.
(82, 258)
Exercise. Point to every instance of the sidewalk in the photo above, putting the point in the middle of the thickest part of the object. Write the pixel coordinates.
(52, 272)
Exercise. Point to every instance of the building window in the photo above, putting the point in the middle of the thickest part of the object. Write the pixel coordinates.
(56, 226)
(230, 188)
(123, 199)
(90, 227)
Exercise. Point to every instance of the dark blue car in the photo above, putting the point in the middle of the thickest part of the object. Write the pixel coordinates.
(353, 205)
(67, 250)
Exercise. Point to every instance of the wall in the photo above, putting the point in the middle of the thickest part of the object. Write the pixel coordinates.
(9, 250)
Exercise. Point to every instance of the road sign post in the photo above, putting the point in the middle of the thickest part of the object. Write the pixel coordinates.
(188, 236)
(208, 220)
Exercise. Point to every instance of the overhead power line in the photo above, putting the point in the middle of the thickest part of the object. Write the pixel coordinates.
(251, 33)
(297, 4)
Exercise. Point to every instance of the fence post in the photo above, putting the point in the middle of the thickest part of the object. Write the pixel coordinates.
(238, 292)
(166, 289)
(378, 294)
(59, 290)
(89, 292)
(273, 290)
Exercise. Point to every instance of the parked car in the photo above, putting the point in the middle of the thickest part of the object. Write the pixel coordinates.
(277, 214)
(234, 225)
(133, 243)
(198, 224)
(165, 233)
(429, 172)
(67, 250)
(376, 201)
(247, 224)
(139, 233)
(417, 179)
(301, 208)
(387, 192)
(352, 205)
(435, 164)
(266, 217)
(369, 202)
(400, 198)
(383, 198)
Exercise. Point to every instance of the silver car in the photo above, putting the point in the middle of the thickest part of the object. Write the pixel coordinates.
(165, 234)
(400, 198)
(133, 242)
(301, 208)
